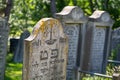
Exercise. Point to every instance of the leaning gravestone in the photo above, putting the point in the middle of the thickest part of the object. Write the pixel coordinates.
(46, 52)
(116, 43)
(18, 55)
(97, 42)
(73, 21)
(4, 32)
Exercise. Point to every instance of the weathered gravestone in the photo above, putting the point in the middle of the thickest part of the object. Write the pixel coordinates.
(116, 43)
(74, 23)
(97, 42)
(4, 32)
(46, 52)
(18, 55)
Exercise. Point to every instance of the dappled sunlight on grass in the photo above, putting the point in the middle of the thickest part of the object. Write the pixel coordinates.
(13, 71)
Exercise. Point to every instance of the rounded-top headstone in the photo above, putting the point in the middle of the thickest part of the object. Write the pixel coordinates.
(69, 13)
(46, 52)
(74, 22)
(97, 44)
(102, 17)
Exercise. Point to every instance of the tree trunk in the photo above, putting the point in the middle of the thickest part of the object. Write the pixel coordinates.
(53, 7)
(96, 3)
(91, 5)
(106, 4)
(8, 8)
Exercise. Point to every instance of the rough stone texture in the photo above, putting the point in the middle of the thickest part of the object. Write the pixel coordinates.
(46, 50)
(18, 55)
(97, 50)
(116, 76)
(98, 46)
(73, 21)
(4, 32)
(116, 43)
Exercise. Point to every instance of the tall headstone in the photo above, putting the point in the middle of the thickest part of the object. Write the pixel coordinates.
(46, 52)
(116, 43)
(18, 55)
(4, 32)
(97, 42)
(74, 24)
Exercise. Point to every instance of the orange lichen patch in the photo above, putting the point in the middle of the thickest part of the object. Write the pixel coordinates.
(52, 22)
(36, 31)
(42, 26)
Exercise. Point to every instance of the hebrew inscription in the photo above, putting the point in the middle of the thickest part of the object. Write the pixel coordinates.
(72, 31)
(48, 52)
(98, 49)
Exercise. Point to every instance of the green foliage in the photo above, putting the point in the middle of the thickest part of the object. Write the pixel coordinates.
(9, 57)
(25, 13)
(59, 6)
(84, 4)
(111, 7)
(13, 70)
(113, 67)
(114, 52)
(114, 10)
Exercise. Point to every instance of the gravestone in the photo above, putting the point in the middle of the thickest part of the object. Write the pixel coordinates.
(74, 24)
(13, 45)
(116, 43)
(4, 32)
(18, 55)
(97, 42)
(46, 52)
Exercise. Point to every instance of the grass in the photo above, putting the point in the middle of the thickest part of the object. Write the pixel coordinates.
(13, 70)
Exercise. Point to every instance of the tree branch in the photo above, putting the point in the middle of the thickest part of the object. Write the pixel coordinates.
(91, 5)
(106, 4)
(96, 2)
(53, 7)
(9, 5)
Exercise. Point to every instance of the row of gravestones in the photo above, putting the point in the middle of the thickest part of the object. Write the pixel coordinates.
(50, 54)
(17, 45)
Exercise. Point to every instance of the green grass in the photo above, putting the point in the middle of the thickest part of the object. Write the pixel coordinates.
(13, 70)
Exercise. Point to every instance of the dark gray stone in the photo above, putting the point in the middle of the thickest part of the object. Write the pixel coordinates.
(4, 32)
(97, 42)
(18, 55)
(116, 43)
(13, 45)
(74, 22)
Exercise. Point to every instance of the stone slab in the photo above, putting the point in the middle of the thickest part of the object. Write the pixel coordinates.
(46, 49)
